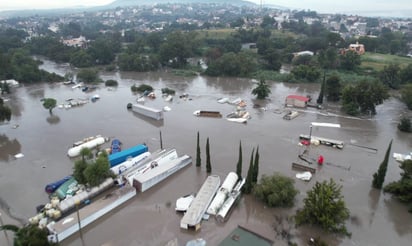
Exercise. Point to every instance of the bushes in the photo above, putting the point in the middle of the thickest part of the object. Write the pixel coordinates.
(141, 88)
(276, 190)
(111, 82)
(405, 125)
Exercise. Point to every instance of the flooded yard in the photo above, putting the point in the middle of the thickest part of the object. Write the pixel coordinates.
(150, 218)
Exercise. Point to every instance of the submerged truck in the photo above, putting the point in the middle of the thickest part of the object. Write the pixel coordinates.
(153, 113)
(119, 157)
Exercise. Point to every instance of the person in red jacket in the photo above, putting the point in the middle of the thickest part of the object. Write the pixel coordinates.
(320, 160)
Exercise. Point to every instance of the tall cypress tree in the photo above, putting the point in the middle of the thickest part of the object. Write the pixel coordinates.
(322, 89)
(239, 162)
(379, 176)
(198, 159)
(256, 167)
(249, 184)
(208, 165)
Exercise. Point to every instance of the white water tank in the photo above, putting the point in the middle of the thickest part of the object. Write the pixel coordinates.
(222, 193)
(75, 151)
(230, 181)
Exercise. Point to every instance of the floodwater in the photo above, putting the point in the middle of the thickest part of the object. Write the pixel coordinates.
(149, 218)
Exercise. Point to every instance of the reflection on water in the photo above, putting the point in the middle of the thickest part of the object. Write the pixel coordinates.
(398, 214)
(153, 122)
(8, 148)
(374, 196)
(53, 119)
(36, 92)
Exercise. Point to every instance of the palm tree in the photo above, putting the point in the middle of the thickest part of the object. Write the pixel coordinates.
(262, 90)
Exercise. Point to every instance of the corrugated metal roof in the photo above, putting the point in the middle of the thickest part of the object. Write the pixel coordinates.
(243, 237)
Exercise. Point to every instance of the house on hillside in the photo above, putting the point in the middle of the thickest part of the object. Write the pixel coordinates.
(358, 48)
(76, 42)
(296, 101)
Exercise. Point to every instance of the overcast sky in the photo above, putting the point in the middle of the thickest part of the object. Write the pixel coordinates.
(48, 4)
(321, 6)
(328, 6)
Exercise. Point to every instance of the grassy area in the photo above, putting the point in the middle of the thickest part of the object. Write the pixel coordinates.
(216, 33)
(378, 61)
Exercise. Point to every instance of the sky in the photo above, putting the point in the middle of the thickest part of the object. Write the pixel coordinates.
(48, 4)
(321, 6)
(345, 6)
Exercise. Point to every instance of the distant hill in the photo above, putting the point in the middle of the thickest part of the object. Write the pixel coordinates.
(124, 3)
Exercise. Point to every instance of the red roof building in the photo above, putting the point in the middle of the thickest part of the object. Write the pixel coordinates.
(296, 101)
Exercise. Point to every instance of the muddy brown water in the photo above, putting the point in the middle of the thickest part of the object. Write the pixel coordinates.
(149, 218)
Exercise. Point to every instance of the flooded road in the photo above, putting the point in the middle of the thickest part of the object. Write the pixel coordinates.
(149, 218)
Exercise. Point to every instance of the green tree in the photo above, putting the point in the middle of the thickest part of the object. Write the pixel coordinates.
(276, 190)
(402, 189)
(4, 88)
(86, 153)
(333, 88)
(103, 50)
(256, 167)
(23, 67)
(111, 82)
(268, 22)
(241, 64)
(363, 97)
(405, 74)
(50, 104)
(405, 124)
(306, 73)
(198, 158)
(322, 91)
(239, 162)
(248, 187)
(88, 75)
(390, 76)
(81, 59)
(78, 171)
(28, 235)
(5, 112)
(95, 173)
(379, 176)
(406, 95)
(208, 164)
(324, 206)
(273, 59)
(350, 60)
(177, 49)
(262, 90)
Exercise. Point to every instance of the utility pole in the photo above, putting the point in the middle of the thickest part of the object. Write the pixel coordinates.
(78, 221)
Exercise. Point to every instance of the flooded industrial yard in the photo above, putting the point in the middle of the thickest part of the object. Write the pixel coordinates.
(150, 218)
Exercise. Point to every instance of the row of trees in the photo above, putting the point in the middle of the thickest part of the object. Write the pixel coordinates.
(401, 189)
(19, 65)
